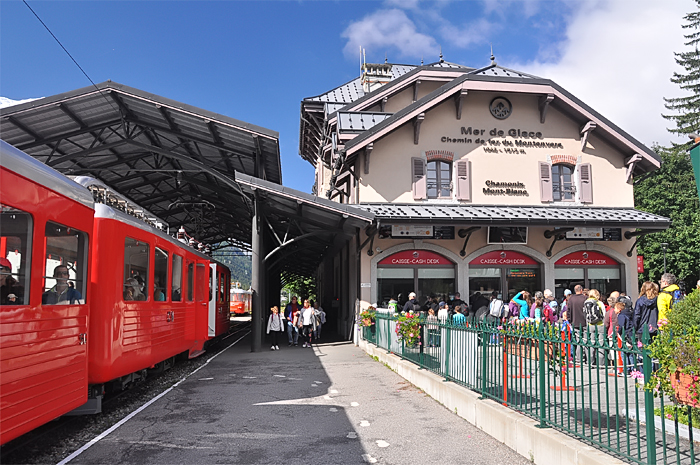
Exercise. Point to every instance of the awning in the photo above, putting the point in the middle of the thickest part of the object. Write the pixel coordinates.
(516, 216)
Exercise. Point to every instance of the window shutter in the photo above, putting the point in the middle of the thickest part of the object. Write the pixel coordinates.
(585, 183)
(463, 180)
(420, 183)
(546, 182)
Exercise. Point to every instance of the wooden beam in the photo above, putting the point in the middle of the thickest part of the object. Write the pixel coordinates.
(368, 152)
(416, 127)
(631, 162)
(544, 102)
(458, 102)
(585, 132)
(415, 89)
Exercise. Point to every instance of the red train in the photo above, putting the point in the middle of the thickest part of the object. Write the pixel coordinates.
(90, 296)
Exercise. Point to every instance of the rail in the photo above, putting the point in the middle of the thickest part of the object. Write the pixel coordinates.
(577, 381)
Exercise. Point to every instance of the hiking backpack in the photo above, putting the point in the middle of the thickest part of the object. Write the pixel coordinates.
(676, 296)
(496, 308)
(514, 309)
(592, 312)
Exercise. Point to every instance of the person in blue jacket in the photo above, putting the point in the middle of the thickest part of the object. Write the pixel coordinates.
(61, 293)
(523, 299)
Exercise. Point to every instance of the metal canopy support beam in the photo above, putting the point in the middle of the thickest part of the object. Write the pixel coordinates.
(382, 104)
(544, 102)
(416, 127)
(416, 85)
(257, 271)
(586, 131)
(458, 102)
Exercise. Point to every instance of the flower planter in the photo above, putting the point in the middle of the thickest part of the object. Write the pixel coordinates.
(683, 385)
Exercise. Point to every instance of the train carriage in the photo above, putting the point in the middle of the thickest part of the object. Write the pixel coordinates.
(45, 233)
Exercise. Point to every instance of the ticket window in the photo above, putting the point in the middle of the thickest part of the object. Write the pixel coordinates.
(522, 279)
(439, 282)
(567, 278)
(485, 280)
(605, 280)
(394, 283)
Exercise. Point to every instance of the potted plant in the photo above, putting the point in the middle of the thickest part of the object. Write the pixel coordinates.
(367, 317)
(408, 328)
(677, 349)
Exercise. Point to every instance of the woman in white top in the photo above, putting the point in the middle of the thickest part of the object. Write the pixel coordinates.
(308, 319)
(275, 324)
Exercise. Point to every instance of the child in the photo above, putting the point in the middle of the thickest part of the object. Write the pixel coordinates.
(275, 324)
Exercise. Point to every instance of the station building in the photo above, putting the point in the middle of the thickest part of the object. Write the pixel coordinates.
(479, 180)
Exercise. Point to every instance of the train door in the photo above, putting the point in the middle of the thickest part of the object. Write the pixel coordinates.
(201, 301)
(213, 285)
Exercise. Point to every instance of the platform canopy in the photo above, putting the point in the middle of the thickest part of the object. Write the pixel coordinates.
(175, 160)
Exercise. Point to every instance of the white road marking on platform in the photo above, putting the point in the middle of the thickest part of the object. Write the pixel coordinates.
(354, 404)
(205, 379)
(334, 391)
(327, 397)
(368, 458)
(364, 423)
(250, 377)
(333, 409)
(279, 376)
(318, 400)
(296, 379)
(382, 443)
(255, 436)
(138, 410)
(352, 435)
(318, 382)
(160, 444)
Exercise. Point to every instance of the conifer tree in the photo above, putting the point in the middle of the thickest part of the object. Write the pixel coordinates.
(687, 108)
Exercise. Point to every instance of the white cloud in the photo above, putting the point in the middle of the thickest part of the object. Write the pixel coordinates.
(386, 29)
(8, 102)
(618, 58)
(476, 32)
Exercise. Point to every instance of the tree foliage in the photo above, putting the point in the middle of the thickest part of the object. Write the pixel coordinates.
(238, 262)
(687, 108)
(670, 192)
(303, 288)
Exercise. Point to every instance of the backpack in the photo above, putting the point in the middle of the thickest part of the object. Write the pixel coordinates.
(676, 296)
(416, 307)
(496, 308)
(547, 314)
(514, 309)
(592, 311)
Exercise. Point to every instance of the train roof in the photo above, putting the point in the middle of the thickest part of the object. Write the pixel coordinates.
(19, 162)
(105, 211)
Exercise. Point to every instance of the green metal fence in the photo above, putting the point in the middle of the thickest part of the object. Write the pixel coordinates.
(580, 382)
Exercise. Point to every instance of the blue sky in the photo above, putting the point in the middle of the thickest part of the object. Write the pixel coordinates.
(256, 61)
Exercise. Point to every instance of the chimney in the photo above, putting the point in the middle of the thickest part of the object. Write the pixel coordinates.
(375, 75)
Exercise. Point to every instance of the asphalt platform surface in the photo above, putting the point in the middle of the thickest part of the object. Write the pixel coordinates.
(330, 404)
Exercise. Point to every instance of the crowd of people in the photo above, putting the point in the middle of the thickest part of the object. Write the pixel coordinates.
(299, 321)
(617, 316)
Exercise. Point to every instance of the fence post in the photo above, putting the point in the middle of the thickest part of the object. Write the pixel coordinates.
(649, 402)
(543, 377)
(448, 338)
(484, 355)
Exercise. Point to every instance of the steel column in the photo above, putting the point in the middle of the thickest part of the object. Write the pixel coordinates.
(258, 271)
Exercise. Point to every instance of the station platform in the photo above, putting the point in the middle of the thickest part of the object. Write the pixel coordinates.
(329, 404)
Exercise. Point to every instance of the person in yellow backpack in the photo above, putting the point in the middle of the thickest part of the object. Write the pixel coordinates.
(667, 295)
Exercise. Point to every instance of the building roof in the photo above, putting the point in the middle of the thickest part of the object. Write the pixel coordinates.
(563, 101)
(174, 159)
(358, 121)
(489, 215)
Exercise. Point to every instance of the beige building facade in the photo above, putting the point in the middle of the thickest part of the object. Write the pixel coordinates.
(480, 180)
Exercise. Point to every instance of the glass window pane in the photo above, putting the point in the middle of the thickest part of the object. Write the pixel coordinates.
(15, 250)
(136, 258)
(484, 272)
(176, 278)
(568, 273)
(160, 275)
(190, 281)
(395, 273)
(604, 273)
(66, 265)
(436, 273)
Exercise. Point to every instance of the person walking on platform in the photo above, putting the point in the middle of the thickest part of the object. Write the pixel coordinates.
(308, 321)
(276, 325)
(289, 314)
(320, 319)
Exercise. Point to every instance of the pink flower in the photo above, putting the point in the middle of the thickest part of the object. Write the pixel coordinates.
(410, 335)
(637, 374)
(639, 344)
(500, 327)
(668, 415)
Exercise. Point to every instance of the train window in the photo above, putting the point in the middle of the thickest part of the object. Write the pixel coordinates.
(211, 284)
(66, 265)
(177, 278)
(190, 281)
(222, 287)
(15, 260)
(136, 261)
(160, 275)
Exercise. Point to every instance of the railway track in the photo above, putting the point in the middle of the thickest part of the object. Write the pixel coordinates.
(52, 442)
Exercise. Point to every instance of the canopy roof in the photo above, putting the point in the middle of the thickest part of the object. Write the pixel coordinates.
(176, 160)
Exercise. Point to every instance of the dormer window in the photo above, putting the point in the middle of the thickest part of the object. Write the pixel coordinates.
(563, 188)
(439, 179)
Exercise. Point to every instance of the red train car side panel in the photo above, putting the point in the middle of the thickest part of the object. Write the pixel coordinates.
(43, 361)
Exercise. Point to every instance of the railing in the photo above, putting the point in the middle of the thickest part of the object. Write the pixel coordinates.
(578, 381)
